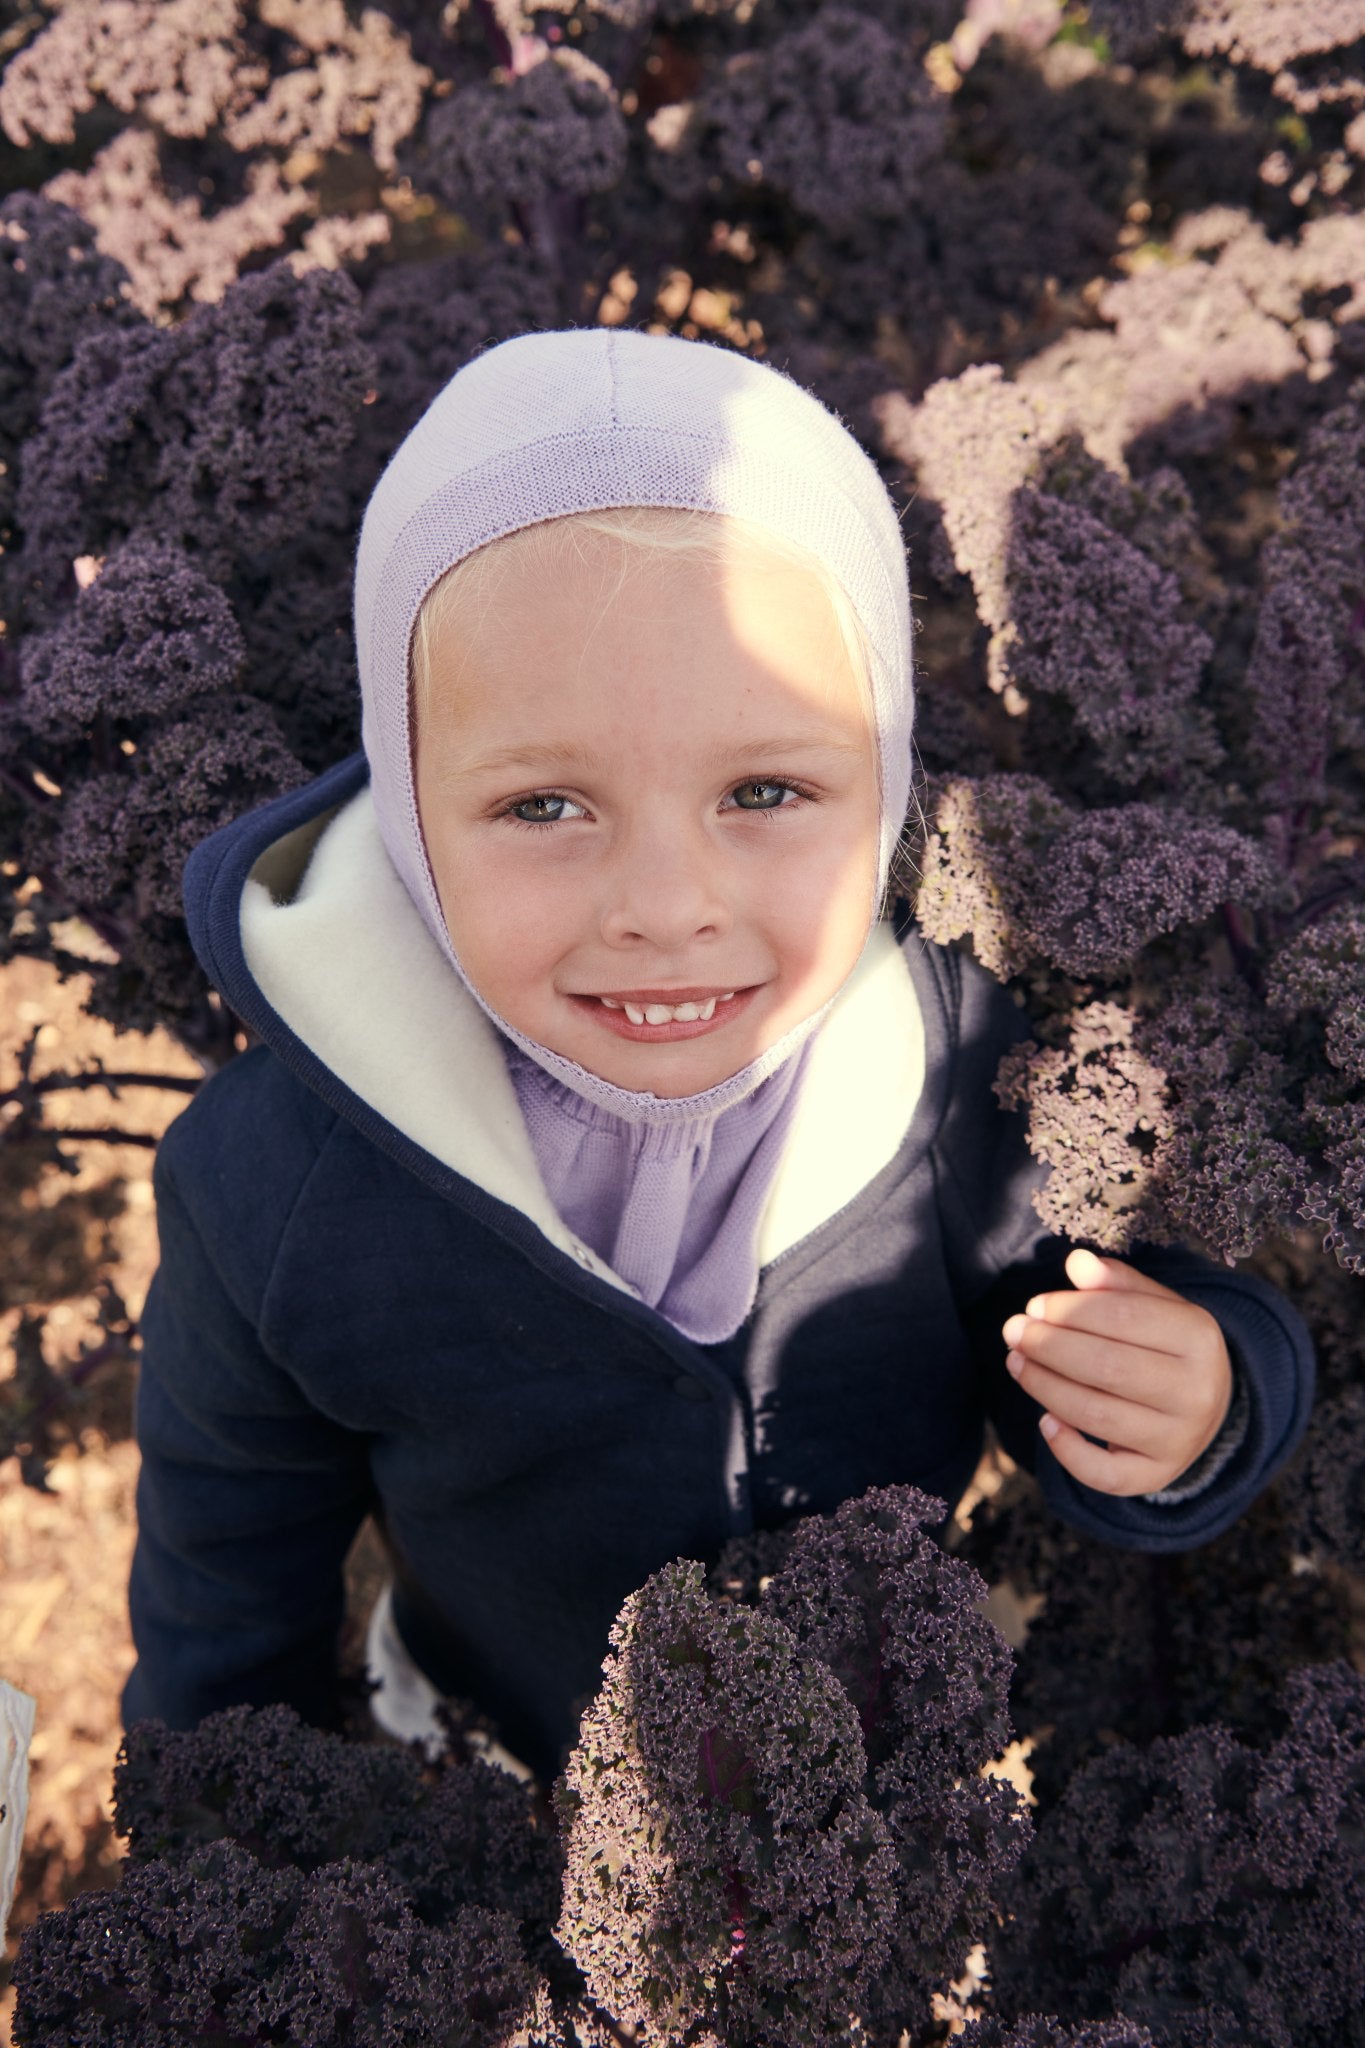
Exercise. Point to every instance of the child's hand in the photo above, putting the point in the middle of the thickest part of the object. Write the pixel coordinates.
(1128, 1361)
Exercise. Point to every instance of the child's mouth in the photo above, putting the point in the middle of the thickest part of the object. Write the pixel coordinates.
(689, 1015)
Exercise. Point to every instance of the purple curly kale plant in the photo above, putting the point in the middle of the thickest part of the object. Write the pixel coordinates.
(1307, 670)
(170, 248)
(286, 1885)
(148, 636)
(776, 1819)
(554, 129)
(1095, 621)
(1202, 1888)
(872, 1593)
(777, 1827)
(1184, 1079)
(134, 609)
(1325, 1489)
(838, 116)
(1030, 880)
(180, 61)
(1309, 48)
(896, 1620)
(1046, 2032)
(234, 110)
(1222, 1108)
(725, 1876)
(219, 433)
(55, 288)
(221, 1947)
(346, 79)
(295, 1795)
(1209, 1634)
(1099, 1117)
(1079, 579)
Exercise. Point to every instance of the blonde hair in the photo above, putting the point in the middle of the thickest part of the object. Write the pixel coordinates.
(642, 530)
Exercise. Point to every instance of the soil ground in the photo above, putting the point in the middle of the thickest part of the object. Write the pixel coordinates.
(64, 1553)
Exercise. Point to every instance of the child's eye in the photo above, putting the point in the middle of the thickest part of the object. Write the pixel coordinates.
(544, 808)
(547, 807)
(765, 796)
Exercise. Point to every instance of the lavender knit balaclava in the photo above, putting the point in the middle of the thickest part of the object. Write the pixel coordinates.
(582, 420)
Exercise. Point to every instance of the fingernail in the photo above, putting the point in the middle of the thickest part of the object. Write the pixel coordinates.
(1049, 1426)
(1014, 1362)
(1037, 1307)
(1013, 1329)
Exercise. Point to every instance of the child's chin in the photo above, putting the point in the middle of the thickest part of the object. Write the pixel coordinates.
(649, 1075)
(688, 1070)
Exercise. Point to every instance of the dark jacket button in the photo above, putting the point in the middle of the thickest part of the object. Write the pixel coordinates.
(689, 1389)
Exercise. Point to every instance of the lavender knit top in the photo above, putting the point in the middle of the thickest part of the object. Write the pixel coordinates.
(674, 1208)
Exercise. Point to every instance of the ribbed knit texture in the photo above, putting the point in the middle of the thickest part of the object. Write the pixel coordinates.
(668, 1190)
(673, 1208)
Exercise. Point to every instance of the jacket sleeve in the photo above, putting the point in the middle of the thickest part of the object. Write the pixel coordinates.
(1001, 1255)
(248, 1498)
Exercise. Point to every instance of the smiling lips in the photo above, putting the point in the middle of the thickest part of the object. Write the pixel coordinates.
(666, 1013)
(688, 1006)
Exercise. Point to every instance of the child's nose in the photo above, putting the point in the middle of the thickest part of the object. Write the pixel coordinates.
(665, 890)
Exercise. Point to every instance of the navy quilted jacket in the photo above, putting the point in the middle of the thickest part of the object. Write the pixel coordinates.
(345, 1321)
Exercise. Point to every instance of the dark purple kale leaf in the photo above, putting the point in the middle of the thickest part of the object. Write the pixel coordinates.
(218, 434)
(123, 836)
(553, 131)
(725, 1875)
(1095, 621)
(1311, 48)
(1118, 878)
(1206, 1634)
(978, 869)
(217, 1946)
(424, 321)
(180, 61)
(1100, 1117)
(1007, 863)
(146, 638)
(871, 1592)
(838, 115)
(299, 1797)
(1200, 1887)
(1039, 2032)
(1306, 675)
(1325, 1488)
(55, 287)
(174, 251)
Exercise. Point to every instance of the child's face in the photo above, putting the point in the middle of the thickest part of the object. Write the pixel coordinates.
(668, 794)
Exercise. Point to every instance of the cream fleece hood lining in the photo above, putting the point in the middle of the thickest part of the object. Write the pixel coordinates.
(341, 953)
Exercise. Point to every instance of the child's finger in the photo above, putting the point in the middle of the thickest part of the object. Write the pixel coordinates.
(1157, 1322)
(1111, 1368)
(1122, 1472)
(1127, 1423)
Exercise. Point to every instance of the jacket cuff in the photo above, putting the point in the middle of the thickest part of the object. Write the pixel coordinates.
(1219, 1453)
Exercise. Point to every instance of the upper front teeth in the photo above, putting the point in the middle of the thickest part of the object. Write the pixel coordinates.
(670, 1013)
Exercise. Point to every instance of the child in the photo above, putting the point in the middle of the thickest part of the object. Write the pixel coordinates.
(611, 1178)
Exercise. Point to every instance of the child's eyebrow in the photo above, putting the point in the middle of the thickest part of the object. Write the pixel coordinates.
(569, 754)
